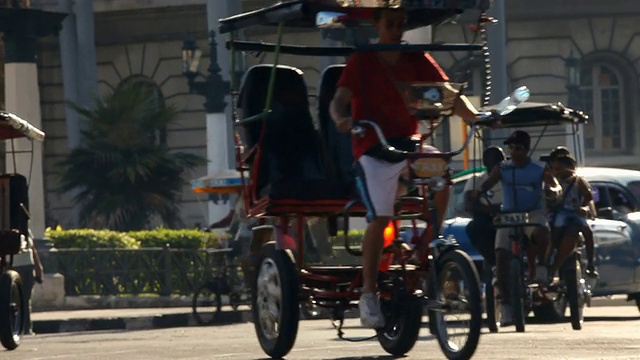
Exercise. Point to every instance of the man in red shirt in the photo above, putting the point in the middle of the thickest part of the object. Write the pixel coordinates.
(367, 84)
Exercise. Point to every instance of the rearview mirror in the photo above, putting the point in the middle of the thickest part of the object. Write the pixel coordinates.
(330, 20)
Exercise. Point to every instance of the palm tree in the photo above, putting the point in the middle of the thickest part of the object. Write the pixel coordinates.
(124, 177)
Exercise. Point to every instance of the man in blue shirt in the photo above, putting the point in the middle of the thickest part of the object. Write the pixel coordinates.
(522, 183)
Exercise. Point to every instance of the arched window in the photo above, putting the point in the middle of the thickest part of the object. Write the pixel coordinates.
(602, 96)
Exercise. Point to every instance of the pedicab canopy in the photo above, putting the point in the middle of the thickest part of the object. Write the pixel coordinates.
(12, 127)
(531, 114)
(349, 13)
(221, 182)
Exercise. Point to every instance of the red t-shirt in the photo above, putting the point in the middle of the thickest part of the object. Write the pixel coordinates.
(378, 98)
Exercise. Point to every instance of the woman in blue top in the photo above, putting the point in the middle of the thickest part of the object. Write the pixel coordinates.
(522, 183)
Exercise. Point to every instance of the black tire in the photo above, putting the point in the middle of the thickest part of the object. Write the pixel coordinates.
(207, 303)
(279, 267)
(492, 308)
(571, 270)
(12, 308)
(460, 261)
(516, 282)
(402, 324)
(490, 304)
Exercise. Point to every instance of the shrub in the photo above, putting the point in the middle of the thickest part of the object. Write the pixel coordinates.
(182, 239)
(91, 239)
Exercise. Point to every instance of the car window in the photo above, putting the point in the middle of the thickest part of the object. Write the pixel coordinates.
(634, 188)
(456, 200)
(599, 196)
(620, 200)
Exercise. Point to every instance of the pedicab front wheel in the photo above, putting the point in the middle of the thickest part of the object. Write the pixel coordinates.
(275, 294)
(458, 321)
(12, 308)
(403, 318)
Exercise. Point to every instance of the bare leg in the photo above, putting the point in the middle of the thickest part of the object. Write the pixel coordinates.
(372, 244)
(565, 247)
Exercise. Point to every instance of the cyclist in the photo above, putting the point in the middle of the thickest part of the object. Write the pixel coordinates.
(522, 183)
(368, 84)
(570, 217)
(480, 229)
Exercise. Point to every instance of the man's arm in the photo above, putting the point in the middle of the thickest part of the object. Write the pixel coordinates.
(339, 109)
(493, 179)
(588, 205)
(551, 184)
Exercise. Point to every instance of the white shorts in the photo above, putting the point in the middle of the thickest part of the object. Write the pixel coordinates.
(377, 183)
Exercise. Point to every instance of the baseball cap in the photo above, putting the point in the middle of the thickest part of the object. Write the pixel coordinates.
(519, 137)
(559, 151)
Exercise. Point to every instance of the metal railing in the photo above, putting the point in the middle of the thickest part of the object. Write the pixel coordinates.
(161, 271)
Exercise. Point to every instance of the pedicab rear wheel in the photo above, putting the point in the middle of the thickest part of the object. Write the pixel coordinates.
(458, 287)
(403, 319)
(12, 308)
(275, 295)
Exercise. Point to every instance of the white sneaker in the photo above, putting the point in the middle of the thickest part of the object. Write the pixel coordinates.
(370, 314)
(506, 315)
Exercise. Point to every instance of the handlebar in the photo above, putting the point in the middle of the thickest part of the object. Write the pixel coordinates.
(359, 130)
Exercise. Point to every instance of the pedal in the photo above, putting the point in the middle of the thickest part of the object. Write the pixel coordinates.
(434, 305)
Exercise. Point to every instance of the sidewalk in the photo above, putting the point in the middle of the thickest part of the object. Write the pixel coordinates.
(157, 318)
(127, 319)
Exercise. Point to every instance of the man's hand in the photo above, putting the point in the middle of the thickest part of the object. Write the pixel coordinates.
(39, 274)
(344, 124)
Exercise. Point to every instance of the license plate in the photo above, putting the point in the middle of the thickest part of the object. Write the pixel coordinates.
(512, 218)
(429, 167)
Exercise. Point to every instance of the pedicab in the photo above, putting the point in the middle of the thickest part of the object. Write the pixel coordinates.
(558, 124)
(14, 233)
(284, 180)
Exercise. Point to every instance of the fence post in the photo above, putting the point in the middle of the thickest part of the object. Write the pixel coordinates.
(168, 284)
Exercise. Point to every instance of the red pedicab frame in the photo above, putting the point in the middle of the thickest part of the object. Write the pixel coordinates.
(278, 272)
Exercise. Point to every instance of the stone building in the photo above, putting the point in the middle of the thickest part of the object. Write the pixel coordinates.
(143, 39)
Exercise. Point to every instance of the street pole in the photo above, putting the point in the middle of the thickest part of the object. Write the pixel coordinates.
(497, 41)
(219, 146)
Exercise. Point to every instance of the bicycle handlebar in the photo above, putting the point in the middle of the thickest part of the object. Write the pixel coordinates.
(359, 130)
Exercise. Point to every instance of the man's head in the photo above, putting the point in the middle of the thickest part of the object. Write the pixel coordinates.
(563, 166)
(390, 23)
(557, 152)
(519, 144)
(492, 157)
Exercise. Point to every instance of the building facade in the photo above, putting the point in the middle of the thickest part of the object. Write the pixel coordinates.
(143, 40)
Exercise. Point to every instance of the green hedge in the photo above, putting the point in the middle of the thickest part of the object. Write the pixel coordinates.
(95, 239)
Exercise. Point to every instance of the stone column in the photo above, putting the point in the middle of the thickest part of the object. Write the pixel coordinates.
(22, 97)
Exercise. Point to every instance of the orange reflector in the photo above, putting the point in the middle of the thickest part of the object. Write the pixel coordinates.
(389, 234)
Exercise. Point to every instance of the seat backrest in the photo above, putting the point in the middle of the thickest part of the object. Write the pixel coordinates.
(290, 145)
(14, 197)
(338, 144)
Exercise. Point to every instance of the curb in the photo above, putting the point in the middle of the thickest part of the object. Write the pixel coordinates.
(135, 323)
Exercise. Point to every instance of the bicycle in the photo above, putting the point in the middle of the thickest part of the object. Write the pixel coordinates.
(206, 304)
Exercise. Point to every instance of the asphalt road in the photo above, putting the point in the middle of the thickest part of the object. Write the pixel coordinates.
(610, 332)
